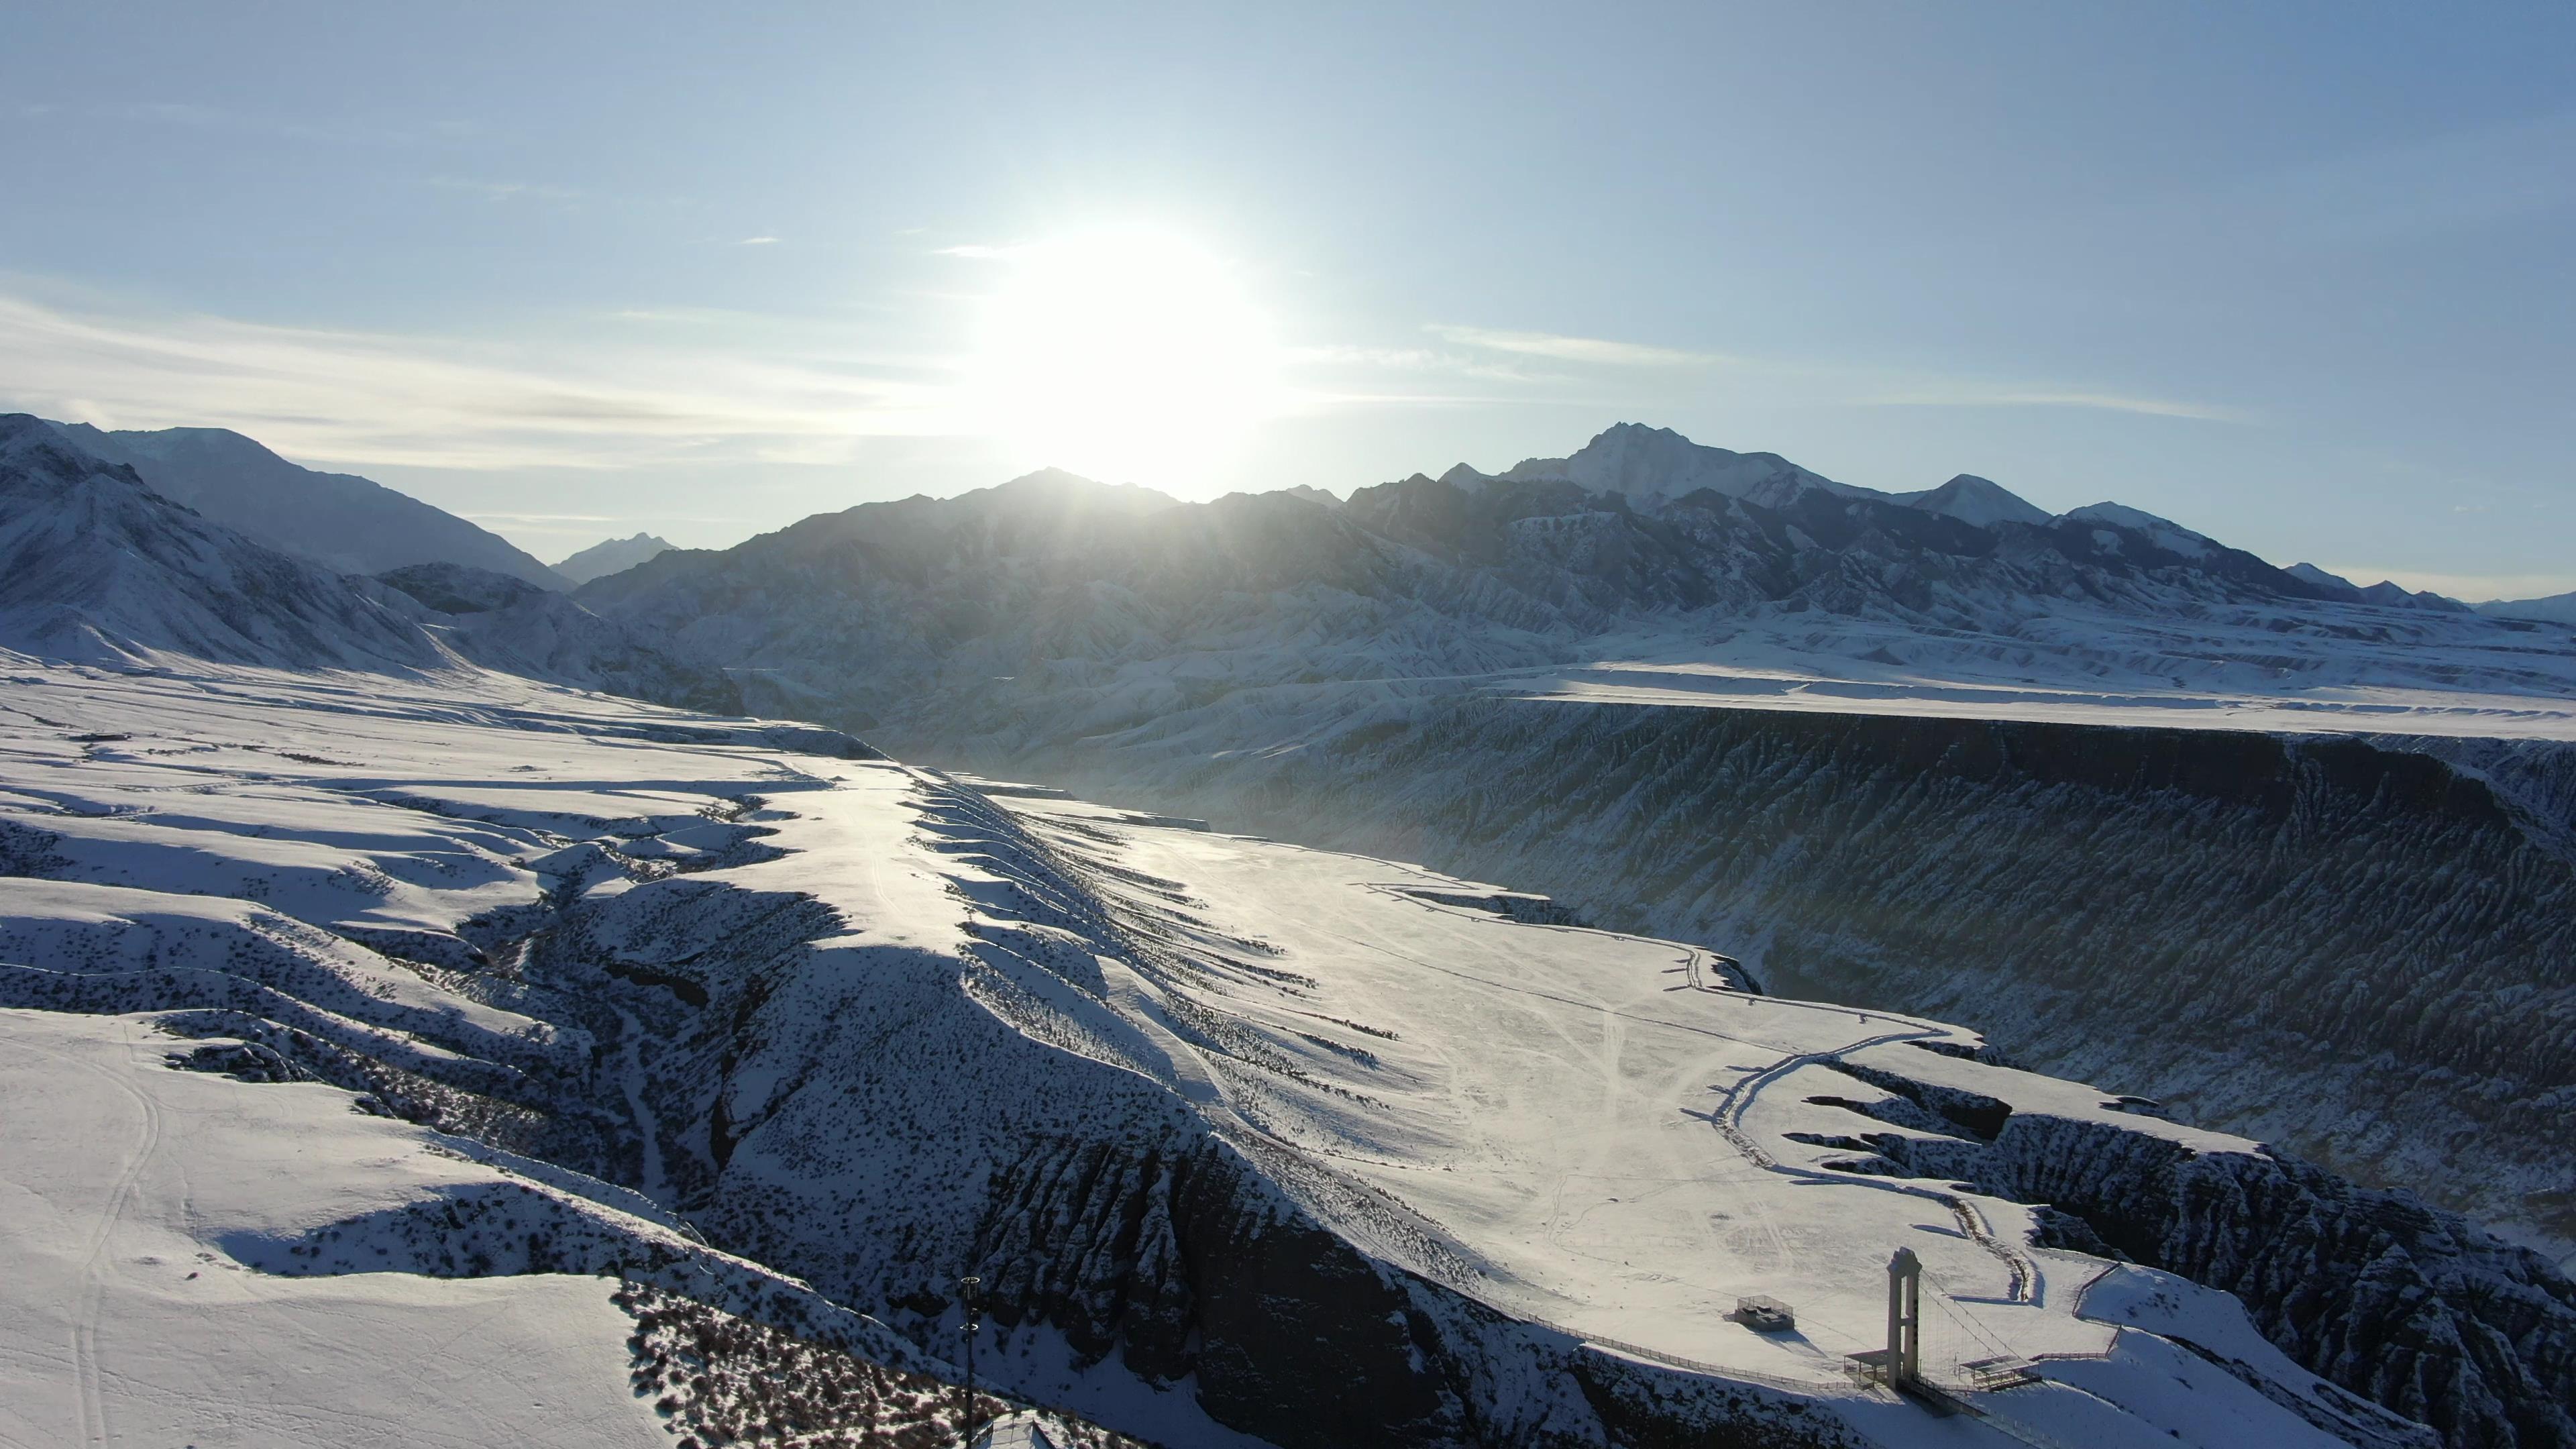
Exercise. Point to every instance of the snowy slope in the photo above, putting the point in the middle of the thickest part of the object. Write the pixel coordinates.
(348, 524)
(93, 565)
(2557, 608)
(1979, 502)
(96, 566)
(1245, 1139)
(262, 1252)
(505, 623)
(609, 556)
(1650, 463)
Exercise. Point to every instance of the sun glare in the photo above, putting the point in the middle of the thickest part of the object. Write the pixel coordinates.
(1126, 356)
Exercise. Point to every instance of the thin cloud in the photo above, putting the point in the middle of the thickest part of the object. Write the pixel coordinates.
(507, 190)
(1574, 349)
(1974, 395)
(375, 399)
(757, 241)
(333, 131)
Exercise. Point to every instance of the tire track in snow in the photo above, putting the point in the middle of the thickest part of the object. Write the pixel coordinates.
(1728, 1119)
(89, 1400)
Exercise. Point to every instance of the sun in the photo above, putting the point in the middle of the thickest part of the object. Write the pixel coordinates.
(1128, 356)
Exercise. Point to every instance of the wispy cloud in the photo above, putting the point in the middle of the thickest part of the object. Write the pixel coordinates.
(1959, 394)
(370, 398)
(1486, 353)
(1574, 349)
(757, 241)
(507, 190)
(325, 130)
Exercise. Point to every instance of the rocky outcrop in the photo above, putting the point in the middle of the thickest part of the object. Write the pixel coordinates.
(2412, 1307)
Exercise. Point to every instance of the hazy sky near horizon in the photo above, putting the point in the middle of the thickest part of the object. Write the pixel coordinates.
(2302, 276)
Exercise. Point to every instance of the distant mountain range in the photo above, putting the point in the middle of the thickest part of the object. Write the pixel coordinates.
(1054, 607)
(614, 556)
(2556, 608)
(338, 520)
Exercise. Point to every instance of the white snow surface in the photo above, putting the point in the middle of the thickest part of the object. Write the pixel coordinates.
(2323, 669)
(1597, 1134)
(130, 1198)
(1978, 502)
(1646, 463)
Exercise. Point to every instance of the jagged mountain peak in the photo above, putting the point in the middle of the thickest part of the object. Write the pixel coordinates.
(2308, 573)
(1645, 462)
(611, 556)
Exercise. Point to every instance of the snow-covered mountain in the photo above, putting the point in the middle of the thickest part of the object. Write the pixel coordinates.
(1261, 660)
(610, 556)
(2556, 608)
(1644, 464)
(94, 566)
(679, 1068)
(509, 624)
(1979, 502)
(2383, 593)
(348, 524)
(97, 567)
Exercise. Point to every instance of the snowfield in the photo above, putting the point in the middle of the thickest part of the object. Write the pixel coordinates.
(400, 1051)
(141, 1302)
(1558, 1154)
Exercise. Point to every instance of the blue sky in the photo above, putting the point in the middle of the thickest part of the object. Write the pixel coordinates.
(2296, 275)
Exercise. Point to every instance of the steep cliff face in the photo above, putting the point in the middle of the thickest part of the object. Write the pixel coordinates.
(2365, 953)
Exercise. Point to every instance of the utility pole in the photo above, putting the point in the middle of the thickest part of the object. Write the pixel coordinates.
(974, 1324)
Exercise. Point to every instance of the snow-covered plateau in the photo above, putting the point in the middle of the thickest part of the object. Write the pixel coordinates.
(2146, 809)
(398, 1049)
(341, 1008)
